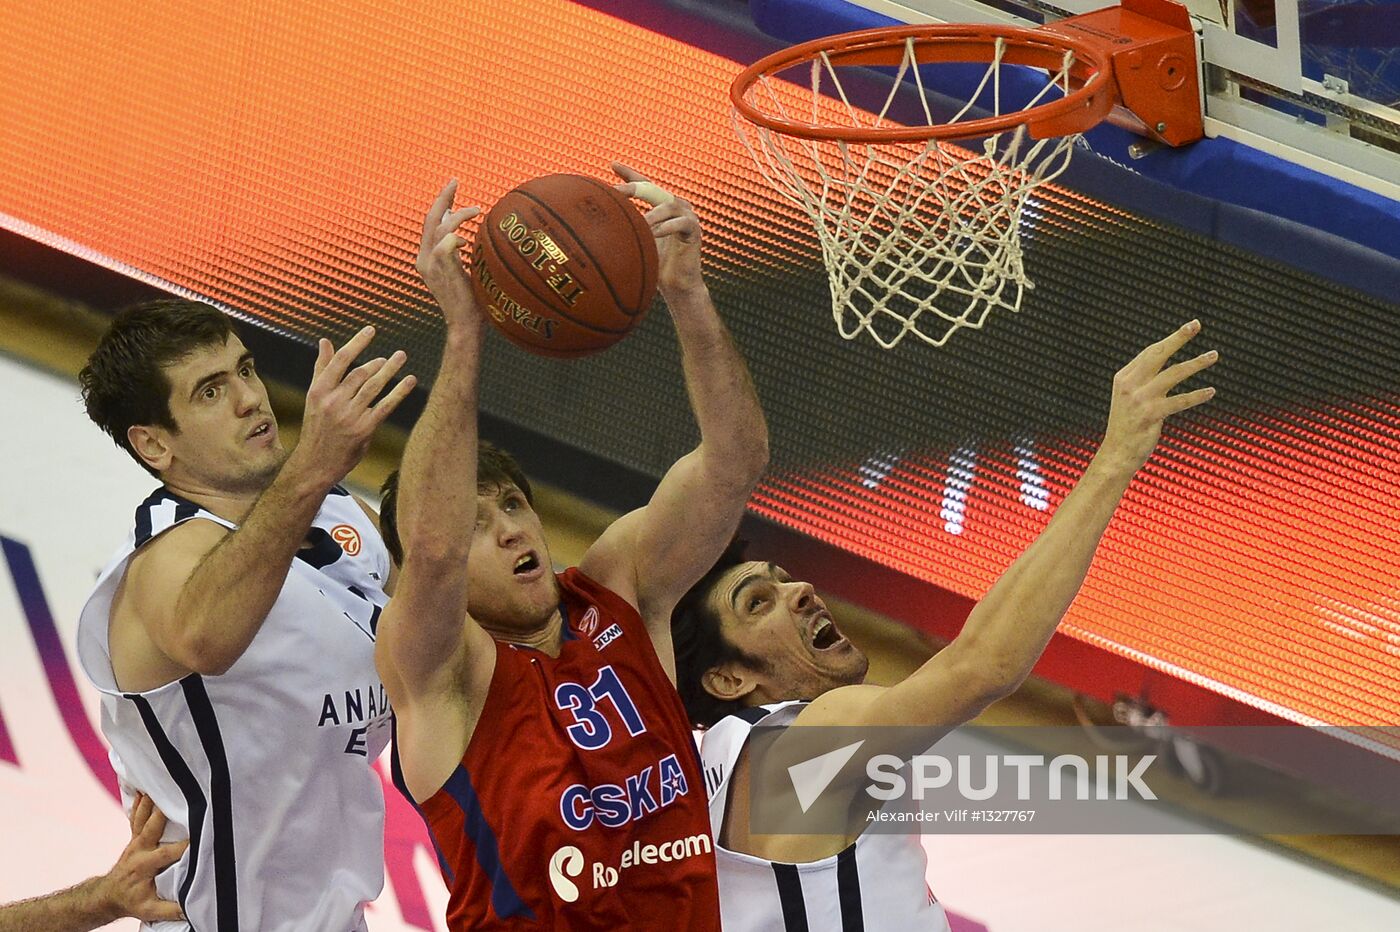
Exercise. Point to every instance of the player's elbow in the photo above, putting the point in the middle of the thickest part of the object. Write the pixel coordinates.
(758, 454)
(984, 676)
(756, 442)
(996, 678)
(741, 462)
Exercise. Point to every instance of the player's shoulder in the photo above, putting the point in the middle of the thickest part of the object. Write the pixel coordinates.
(844, 705)
(158, 570)
(580, 585)
(186, 542)
(610, 560)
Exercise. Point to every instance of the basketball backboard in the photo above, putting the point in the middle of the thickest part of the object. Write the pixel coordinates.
(1314, 82)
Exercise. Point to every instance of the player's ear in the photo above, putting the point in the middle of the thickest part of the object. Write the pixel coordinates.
(150, 444)
(728, 682)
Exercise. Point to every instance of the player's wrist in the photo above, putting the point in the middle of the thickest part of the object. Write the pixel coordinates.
(306, 473)
(1115, 463)
(688, 292)
(464, 332)
(99, 901)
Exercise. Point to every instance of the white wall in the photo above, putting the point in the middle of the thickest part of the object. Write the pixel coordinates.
(67, 496)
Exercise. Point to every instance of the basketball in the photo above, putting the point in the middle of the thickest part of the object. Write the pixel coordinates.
(565, 266)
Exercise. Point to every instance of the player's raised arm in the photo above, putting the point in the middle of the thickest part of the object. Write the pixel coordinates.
(659, 551)
(1010, 627)
(424, 635)
(201, 592)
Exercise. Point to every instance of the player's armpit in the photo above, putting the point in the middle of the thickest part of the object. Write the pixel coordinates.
(437, 708)
(612, 559)
(152, 641)
(651, 556)
(424, 648)
(903, 720)
(431, 737)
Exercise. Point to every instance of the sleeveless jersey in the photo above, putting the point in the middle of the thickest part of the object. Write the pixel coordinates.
(578, 803)
(877, 884)
(266, 767)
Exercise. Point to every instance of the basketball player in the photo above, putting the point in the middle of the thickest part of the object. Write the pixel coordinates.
(128, 889)
(754, 646)
(232, 635)
(539, 730)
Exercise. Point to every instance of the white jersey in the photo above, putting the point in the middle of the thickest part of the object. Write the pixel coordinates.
(875, 885)
(265, 768)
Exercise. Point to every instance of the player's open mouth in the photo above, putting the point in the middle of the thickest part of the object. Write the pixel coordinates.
(261, 431)
(825, 634)
(527, 566)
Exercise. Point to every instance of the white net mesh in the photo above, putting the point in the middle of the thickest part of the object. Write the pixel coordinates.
(919, 238)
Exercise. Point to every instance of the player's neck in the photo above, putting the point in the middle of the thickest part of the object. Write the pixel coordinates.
(231, 506)
(547, 639)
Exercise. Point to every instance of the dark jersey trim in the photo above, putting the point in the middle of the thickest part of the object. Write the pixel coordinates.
(195, 802)
(206, 725)
(396, 778)
(848, 889)
(505, 902)
(790, 896)
(753, 715)
(143, 516)
(184, 510)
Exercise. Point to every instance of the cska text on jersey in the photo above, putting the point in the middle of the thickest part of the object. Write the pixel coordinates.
(613, 805)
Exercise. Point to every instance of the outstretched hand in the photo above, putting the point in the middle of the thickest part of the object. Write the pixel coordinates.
(130, 886)
(440, 259)
(342, 413)
(674, 224)
(1141, 399)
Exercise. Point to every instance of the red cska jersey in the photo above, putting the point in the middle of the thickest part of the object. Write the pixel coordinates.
(579, 802)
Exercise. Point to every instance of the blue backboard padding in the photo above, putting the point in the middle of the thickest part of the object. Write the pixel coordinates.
(1359, 241)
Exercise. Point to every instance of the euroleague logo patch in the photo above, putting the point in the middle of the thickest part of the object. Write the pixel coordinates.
(348, 538)
(589, 624)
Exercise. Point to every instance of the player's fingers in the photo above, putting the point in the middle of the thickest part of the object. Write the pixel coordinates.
(455, 219)
(686, 228)
(1172, 376)
(1155, 356)
(324, 351)
(154, 826)
(340, 363)
(389, 402)
(449, 244)
(1178, 403)
(166, 855)
(653, 194)
(627, 173)
(141, 808)
(163, 911)
(665, 211)
(441, 204)
(358, 376)
(376, 382)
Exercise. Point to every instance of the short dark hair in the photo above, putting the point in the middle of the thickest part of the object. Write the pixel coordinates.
(494, 468)
(700, 645)
(124, 382)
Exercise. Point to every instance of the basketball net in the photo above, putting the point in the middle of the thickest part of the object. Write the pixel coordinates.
(919, 238)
